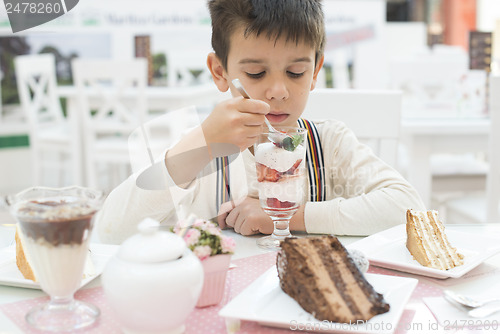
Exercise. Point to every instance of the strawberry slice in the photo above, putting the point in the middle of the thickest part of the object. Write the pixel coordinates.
(261, 172)
(272, 175)
(277, 204)
(267, 174)
(273, 203)
(292, 169)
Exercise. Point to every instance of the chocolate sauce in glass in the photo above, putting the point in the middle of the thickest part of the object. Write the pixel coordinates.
(66, 224)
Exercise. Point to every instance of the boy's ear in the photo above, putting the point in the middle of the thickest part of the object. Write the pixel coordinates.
(319, 65)
(218, 73)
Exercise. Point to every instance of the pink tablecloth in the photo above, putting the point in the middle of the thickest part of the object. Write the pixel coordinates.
(202, 320)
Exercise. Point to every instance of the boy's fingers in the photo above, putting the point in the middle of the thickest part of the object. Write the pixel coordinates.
(224, 211)
(253, 106)
(232, 218)
(253, 120)
(221, 220)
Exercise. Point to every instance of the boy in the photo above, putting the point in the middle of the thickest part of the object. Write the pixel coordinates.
(275, 48)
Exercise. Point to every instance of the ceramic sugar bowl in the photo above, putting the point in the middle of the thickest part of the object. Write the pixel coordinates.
(153, 282)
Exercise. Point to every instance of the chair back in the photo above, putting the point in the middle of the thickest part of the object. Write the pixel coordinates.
(112, 101)
(373, 115)
(151, 140)
(37, 88)
(55, 143)
(493, 177)
(118, 86)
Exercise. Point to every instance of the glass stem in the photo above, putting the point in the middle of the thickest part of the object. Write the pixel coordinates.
(281, 228)
(61, 302)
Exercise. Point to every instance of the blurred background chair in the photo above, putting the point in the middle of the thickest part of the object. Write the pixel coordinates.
(438, 84)
(112, 102)
(53, 138)
(159, 133)
(360, 110)
(483, 207)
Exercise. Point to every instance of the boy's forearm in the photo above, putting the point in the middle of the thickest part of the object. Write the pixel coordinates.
(297, 222)
(186, 159)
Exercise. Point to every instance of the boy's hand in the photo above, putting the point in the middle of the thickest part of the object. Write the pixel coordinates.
(235, 121)
(247, 217)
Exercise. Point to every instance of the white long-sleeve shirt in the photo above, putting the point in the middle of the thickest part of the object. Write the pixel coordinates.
(364, 195)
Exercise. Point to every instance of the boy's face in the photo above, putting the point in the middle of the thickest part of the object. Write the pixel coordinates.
(277, 72)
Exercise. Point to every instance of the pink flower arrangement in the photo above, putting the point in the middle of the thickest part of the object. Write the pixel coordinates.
(205, 239)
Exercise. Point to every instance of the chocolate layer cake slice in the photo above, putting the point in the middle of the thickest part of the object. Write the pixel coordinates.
(320, 275)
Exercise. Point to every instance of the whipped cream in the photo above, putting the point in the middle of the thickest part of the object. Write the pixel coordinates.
(58, 269)
(277, 158)
(54, 208)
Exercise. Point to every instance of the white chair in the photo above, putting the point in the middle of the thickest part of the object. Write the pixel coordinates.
(113, 103)
(373, 115)
(54, 140)
(160, 132)
(438, 84)
(479, 208)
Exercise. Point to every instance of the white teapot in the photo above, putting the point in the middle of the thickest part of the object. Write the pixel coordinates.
(153, 282)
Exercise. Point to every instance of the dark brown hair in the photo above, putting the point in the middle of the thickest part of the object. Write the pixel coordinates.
(295, 20)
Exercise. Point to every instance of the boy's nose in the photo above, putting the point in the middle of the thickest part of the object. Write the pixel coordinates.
(277, 90)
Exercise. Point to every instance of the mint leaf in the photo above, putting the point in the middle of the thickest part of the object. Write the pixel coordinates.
(297, 140)
(291, 143)
(287, 144)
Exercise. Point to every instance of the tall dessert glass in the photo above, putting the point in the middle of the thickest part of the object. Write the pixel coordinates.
(55, 226)
(280, 174)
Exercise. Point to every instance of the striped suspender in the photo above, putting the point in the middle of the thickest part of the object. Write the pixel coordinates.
(314, 162)
(223, 193)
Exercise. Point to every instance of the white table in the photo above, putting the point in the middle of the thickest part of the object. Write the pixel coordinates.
(246, 247)
(425, 137)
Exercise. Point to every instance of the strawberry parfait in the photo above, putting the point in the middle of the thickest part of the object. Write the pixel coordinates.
(280, 170)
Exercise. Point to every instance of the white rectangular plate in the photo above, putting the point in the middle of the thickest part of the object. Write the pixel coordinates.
(11, 276)
(387, 249)
(263, 301)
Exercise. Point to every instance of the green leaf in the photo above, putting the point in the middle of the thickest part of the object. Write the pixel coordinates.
(288, 144)
(297, 140)
(291, 143)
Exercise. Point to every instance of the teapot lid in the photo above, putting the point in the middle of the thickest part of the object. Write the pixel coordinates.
(151, 245)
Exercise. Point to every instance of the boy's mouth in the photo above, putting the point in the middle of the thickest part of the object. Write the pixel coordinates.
(276, 118)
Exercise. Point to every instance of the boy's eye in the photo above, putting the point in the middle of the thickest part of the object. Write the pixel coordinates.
(294, 74)
(256, 75)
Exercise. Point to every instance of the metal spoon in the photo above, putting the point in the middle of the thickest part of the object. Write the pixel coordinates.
(468, 301)
(474, 308)
(277, 136)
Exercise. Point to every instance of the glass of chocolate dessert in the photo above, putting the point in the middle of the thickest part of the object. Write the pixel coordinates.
(281, 177)
(55, 226)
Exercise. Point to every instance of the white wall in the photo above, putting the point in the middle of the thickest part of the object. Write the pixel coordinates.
(403, 40)
(185, 24)
(362, 23)
(488, 11)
